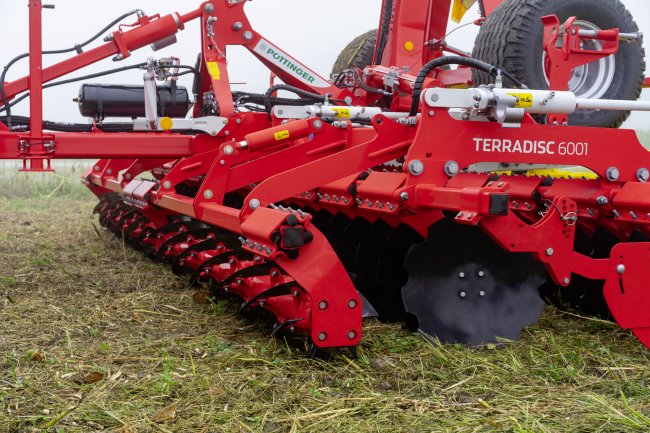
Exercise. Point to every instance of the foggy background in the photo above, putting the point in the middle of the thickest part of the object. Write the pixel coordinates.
(312, 31)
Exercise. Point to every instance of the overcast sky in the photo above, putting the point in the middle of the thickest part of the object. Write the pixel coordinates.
(312, 31)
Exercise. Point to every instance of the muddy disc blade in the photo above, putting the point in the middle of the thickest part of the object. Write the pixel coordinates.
(463, 288)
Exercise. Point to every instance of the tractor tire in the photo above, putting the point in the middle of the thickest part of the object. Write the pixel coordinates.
(511, 38)
(357, 54)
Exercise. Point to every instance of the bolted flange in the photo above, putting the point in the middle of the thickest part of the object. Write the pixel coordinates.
(612, 174)
(254, 203)
(416, 167)
(451, 168)
(602, 200)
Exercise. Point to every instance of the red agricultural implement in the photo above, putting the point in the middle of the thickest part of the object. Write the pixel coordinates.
(454, 199)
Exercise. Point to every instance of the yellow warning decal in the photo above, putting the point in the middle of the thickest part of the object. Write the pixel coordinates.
(213, 69)
(282, 135)
(524, 100)
(341, 113)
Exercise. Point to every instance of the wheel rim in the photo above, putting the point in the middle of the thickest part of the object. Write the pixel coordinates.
(593, 79)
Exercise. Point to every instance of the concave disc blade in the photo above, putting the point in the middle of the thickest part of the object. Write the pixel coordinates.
(463, 288)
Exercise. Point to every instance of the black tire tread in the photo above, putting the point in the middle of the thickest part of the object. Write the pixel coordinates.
(504, 37)
(357, 54)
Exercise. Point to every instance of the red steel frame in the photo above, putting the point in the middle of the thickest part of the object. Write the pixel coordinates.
(319, 157)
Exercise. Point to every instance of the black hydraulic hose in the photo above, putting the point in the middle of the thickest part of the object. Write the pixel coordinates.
(73, 127)
(305, 94)
(382, 37)
(454, 60)
(95, 75)
(7, 107)
(76, 48)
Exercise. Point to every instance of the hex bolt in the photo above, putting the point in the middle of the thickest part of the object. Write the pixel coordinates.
(435, 97)
(209, 8)
(237, 26)
(451, 168)
(620, 269)
(254, 203)
(566, 281)
(642, 174)
(208, 194)
(462, 294)
(296, 293)
(481, 274)
(97, 168)
(167, 184)
(612, 174)
(352, 303)
(322, 336)
(352, 335)
(602, 200)
(416, 167)
(317, 124)
(461, 275)
(248, 35)
(109, 171)
(322, 305)
(432, 113)
(549, 252)
(128, 176)
(481, 293)
(404, 196)
(228, 149)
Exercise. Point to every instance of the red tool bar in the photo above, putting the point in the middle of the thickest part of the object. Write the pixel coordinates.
(128, 41)
(98, 145)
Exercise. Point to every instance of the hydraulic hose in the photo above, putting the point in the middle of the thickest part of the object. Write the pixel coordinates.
(77, 48)
(382, 37)
(454, 60)
(305, 94)
(191, 70)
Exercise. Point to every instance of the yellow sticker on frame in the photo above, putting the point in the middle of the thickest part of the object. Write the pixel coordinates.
(524, 100)
(213, 69)
(282, 135)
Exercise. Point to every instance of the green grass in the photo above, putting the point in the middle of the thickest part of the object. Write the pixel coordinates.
(64, 182)
(98, 339)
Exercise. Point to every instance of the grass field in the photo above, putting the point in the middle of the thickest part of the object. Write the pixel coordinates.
(95, 337)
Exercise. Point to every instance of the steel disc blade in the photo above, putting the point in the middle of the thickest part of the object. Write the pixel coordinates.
(391, 274)
(365, 262)
(462, 288)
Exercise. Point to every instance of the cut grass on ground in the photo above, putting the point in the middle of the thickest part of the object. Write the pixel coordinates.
(95, 337)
